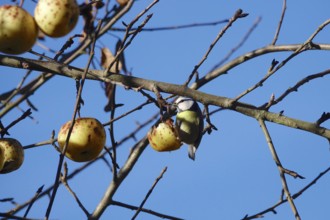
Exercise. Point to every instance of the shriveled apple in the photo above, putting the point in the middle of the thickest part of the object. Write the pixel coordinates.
(56, 18)
(86, 141)
(164, 137)
(18, 30)
(11, 155)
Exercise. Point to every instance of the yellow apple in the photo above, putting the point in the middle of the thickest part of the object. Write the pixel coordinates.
(18, 30)
(11, 155)
(56, 18)
(164, 137)
(86, 140)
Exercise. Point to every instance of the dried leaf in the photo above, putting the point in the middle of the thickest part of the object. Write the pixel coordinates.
(107, 58)
(121, 57)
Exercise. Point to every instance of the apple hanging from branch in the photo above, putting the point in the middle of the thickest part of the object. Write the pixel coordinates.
(86, 141)
(164, 137)
(11, 155)
(56, 18)
(18, 30)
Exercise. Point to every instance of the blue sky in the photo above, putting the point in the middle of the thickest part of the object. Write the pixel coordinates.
(234, 173)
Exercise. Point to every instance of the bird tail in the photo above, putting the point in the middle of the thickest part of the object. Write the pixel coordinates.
(191, 151)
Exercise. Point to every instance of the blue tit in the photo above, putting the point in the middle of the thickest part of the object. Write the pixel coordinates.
(189, 123)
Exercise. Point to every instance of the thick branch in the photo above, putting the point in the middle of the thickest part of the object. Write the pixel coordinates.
(206, 99)
(250, 55)
(308, 45)
(60, 69)
(124, 171)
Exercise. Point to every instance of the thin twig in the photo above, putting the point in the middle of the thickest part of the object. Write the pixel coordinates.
(296, 87)
(112, 159)
(308, 45)
(279, 23)
(239, 45)
(116, 58)
(75, 111)
(139, 127)
(11, 200)
(176, 27)
(41, 143)
(15, 91)
(10, 216)
(274, 69)
(64, 180)
(125, 41)
(210, 126)
(76, 73)
(149, 193)
(238, 14)
(114, 146)
(324, 117)
(280, 168)
(4, 131)
(35, 197)
(270, 72)
(66, 45)
(294, 196)
(160, 215)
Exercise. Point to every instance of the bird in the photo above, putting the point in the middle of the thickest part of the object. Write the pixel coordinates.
(189, 123)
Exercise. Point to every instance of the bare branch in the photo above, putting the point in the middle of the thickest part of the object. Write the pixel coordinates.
(274, 69)
(123, 172)
(10, 216)
(239, 45)
(294, 196)
(238, 14)
(210, 126)
(279, 23)
(41, 143)
(280, 169)
(250, 55)
(76, 108)
(127, 42)
(149, 193)
(11, 200)
(206, 99)
(160, 215)
(64, 181)
(60, 66)
(324, 117)
(296, 87)
(10, 95)
(35, 197)
(176, 27)
(73, 72)
(22, 117)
